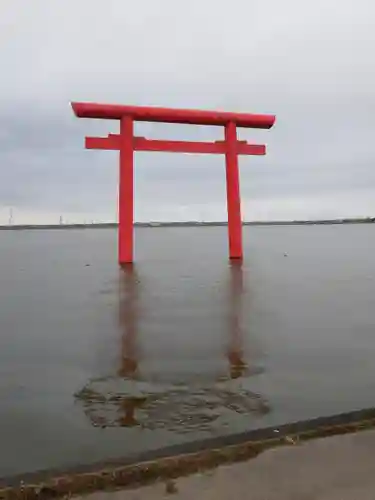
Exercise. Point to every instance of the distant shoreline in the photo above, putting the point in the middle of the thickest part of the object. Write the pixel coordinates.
(105, 225)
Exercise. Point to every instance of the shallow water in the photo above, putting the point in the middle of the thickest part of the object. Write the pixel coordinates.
(97, 363)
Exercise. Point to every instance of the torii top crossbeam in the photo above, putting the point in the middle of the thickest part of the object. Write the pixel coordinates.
(171, 115)
(126, 143)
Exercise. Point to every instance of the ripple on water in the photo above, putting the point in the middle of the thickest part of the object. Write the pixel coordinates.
(180, 408)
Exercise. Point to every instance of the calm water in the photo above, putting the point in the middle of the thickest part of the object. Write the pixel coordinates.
(96, 363)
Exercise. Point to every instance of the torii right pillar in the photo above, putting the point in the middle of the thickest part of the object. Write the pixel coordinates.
(233, 192)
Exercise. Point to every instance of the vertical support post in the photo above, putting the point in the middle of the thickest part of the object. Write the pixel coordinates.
(126, 192)
(233, 192)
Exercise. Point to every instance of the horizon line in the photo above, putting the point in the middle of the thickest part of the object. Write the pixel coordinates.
(347, 220)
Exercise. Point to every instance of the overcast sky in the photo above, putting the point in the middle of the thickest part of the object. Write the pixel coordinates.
(310, 63)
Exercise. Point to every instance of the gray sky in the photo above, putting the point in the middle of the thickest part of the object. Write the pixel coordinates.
(310, 63)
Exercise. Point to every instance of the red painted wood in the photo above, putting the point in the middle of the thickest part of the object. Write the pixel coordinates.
(143, 144)
(233, 193)
(251, 149)
(126, 143)
(112, 142)
(126, 192)
(167, 115)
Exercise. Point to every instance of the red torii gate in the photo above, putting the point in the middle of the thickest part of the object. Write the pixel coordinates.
(127, 143)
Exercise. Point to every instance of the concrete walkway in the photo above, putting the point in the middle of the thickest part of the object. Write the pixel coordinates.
(335, 468)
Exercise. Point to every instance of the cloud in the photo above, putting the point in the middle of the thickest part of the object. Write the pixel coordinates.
(309, 63)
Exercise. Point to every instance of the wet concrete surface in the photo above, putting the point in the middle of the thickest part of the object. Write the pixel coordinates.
(335, 468)
(98, 363)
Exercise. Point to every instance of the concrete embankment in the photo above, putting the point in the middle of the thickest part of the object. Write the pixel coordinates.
(289, 461)
(335, 468)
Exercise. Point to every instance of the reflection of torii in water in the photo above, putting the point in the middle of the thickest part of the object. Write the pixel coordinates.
(129, 294)
(128, 302)
(235, 354)
(128, 315)
(116, 400)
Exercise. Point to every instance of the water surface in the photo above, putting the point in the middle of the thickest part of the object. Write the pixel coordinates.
(97, 363)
